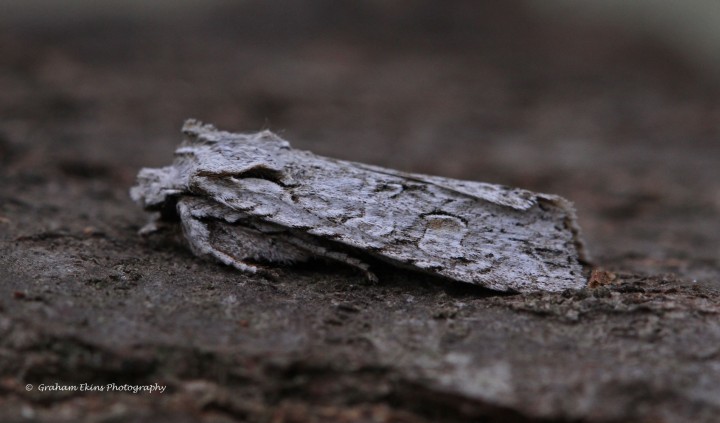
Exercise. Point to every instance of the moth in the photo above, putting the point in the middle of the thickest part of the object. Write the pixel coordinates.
(248, 200)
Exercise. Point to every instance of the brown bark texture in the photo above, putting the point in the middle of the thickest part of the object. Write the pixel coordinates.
(616, 123)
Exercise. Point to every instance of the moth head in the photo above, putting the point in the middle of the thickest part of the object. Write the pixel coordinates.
(155, 186)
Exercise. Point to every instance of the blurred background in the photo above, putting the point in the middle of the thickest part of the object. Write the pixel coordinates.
(612, 104)
(690, 26)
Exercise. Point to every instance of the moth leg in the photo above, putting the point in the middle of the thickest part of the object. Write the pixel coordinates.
(320, 251)
(155, 224)
(230, 244)
(197, 234)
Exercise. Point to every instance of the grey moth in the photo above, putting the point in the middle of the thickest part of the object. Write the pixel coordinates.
(248, 200)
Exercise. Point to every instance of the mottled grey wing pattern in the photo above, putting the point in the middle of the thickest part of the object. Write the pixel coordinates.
(497, 237)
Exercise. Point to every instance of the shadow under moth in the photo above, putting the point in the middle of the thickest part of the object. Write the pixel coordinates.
(248, 199)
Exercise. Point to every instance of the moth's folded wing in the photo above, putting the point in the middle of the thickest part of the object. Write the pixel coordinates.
(431, 226)
(516, 198)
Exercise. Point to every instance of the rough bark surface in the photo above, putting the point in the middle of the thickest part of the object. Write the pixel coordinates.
(616, 124)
